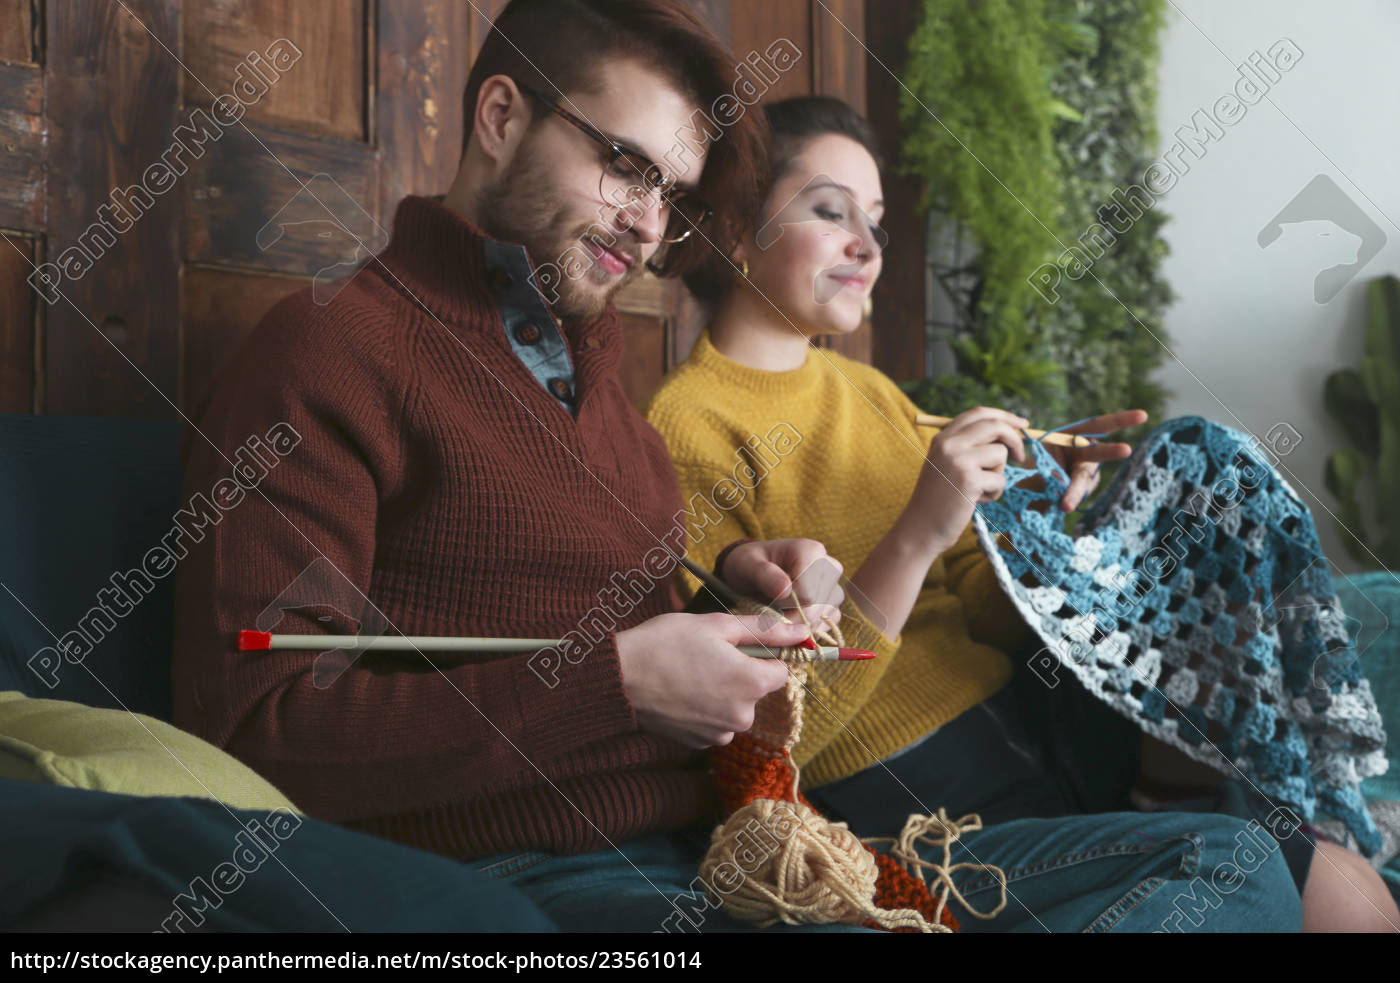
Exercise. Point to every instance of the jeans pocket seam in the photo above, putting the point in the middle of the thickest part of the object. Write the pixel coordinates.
(1124, 905)
(1189, 864)
(513, 864)
(984, 881)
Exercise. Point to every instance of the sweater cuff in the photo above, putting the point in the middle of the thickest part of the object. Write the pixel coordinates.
(586, 702)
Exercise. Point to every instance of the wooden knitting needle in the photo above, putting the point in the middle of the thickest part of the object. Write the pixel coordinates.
(259, 641)
(725, 592)
(1049, 437)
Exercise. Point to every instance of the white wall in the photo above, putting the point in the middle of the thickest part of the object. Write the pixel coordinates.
(1251, 343)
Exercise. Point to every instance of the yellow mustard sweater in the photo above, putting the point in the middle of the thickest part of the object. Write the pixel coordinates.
(832, 453)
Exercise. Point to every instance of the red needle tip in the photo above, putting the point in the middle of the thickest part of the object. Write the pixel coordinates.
(254, 640)
(855, 655)
(808, 644)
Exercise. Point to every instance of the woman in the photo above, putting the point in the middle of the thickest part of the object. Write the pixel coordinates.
(931, 722)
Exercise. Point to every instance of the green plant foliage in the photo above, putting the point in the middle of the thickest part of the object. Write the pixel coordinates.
(1367, 404)
(977, 107)
(1044, 108)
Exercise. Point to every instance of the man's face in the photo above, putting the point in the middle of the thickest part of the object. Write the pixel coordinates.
(548, 199)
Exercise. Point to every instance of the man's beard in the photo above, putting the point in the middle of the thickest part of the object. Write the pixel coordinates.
(520, 207)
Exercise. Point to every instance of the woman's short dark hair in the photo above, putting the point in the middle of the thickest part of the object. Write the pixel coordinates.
(795, 121)
(792, 124)
(559, 48)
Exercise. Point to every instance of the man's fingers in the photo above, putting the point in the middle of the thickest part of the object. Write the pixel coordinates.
(759, 629)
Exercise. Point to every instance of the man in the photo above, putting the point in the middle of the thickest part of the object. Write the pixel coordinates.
(461, 460)
(466, 463)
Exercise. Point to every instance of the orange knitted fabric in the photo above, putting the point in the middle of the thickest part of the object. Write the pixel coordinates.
(751, 768)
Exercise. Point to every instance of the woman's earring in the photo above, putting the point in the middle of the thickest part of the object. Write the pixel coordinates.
(744, 269)
(867, 306)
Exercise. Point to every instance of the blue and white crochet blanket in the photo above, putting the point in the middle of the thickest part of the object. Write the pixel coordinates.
(1194, 598)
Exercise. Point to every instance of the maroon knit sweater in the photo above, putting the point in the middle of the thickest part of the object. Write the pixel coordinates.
(454, 491)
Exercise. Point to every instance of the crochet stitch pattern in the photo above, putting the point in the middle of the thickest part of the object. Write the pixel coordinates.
(1193, 597)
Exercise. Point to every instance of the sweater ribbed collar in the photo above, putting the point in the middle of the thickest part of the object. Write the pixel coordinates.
(798, 383)
(435, 258)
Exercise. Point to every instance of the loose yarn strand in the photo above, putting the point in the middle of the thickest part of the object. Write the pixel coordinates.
(820, 871)
(920, 829)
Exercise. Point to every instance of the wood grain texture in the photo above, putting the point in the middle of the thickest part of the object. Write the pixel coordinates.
(688, 320)
(424, 59)
(324, 92)
(838, 69)
(112, 102)
(838, 43)
(17, 31)
(643, 355)
(18, 373)
(22, 137)
(756, 26)
(222, 307)
(897, 340)
(272, 200)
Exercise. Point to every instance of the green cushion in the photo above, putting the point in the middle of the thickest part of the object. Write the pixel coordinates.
(128, 753)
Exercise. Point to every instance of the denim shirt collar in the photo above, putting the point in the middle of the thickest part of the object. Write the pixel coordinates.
(448, 266)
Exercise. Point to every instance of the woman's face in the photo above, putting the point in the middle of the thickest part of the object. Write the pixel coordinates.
(816, 253)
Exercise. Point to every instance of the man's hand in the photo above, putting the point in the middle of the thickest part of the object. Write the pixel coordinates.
(686, 680)
(1082, 463)
(773, 568)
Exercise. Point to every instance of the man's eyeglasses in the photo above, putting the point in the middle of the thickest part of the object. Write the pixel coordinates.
(628, 178)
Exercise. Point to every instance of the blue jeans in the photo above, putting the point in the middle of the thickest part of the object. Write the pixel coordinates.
(1112, 872)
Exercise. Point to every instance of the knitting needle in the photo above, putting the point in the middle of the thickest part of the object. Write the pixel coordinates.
(1047, 436)
(257, 641)
(725, 592)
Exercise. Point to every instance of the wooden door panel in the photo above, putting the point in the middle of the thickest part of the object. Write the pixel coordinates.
(17, 325)
(897, 344)
(425, 52)
(322, 93)
(111, 347)
(755, 26)
(144, 302)
(838, 69)
(21, 142)
(643, 355)
(222, 308)
(17, 42)
(276, 200)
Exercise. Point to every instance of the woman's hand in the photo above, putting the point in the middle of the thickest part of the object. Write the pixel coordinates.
(1082, 464)
(774, 568)
(966, 466)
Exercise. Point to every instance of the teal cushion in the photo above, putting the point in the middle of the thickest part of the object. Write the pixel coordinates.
(83, 499)
(316, 877)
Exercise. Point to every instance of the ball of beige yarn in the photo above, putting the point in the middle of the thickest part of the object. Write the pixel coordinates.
(819, 873)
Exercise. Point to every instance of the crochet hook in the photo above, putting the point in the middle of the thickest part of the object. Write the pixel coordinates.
(260, 641)
(1045, 436)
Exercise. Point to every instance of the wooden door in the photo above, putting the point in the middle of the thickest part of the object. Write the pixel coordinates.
(168, 166)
